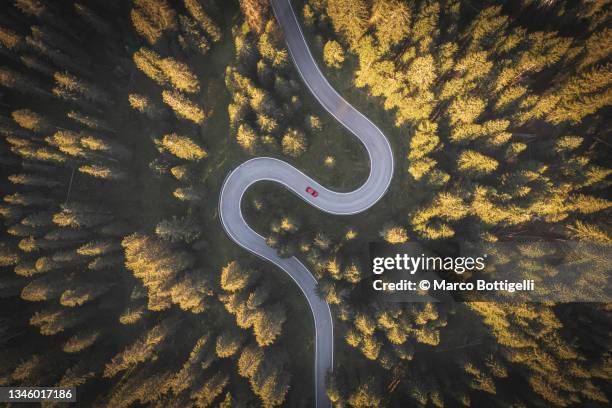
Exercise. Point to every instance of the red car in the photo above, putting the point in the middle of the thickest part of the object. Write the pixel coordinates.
(312, 191)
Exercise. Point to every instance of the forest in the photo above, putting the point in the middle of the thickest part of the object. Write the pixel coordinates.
(121, 119)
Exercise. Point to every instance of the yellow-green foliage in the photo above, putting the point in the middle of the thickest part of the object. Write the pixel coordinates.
(333, 54)
(182, 147)
(152, 17)
(208, 25)
(183, 107)
(166, 71)
(9, 38)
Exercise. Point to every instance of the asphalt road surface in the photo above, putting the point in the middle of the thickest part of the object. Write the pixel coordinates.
(270, 169)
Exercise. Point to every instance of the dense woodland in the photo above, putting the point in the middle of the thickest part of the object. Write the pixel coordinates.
(121, 119)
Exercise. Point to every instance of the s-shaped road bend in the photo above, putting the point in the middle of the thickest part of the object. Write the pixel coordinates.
(270, 169)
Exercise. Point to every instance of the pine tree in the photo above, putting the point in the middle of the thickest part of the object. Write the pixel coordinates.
(79, 215)
(28, 369)
(475, 163)
(184, 107)
(41, 289)
(82, 293)
(207, 24)
(80, 341)
(10, 39)
(366, 395)
(192, 37)
(148, 62)
(392, 20)
(246, 137)
(589, 232)
(294, 143)
(465, 110)
(394, 234)
(228, 343)
(267, 324)
(99, 247)
(166, 71)
(271, 381)
(250, 360)
(28, 119)
(143, 104)
(234, 277)
(132, 315)
(156, 264)
(90, 121)
(191, 291)
(68, 86)
(582, 95)
(178, 229)
(182, 147)
(101, 171)
(179, 75)
(141, 350)
(152, 17)
(211, 389)
(54, 320)
(447, 207)
(187, 194)
(255, 13)
(424, 142)
(333, 54)
(349, 18)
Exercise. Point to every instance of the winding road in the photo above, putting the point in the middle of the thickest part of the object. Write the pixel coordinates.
(270, 169)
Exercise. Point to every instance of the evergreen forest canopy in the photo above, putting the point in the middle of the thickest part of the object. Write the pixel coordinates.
(121, 119)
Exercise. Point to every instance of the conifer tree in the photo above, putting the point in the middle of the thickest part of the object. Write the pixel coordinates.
(394, 234)
(68, 86)
(152, 17)
(182, 147)
(208, 25)
(178, 229)
(141, 350)
(255, 13)
(349, 18)
(184, 107)
(156, 264)
(294, 143)
(80, 341)
(143, 104)
(333, 54)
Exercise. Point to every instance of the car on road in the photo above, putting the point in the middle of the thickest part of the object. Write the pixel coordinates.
(312, 191)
